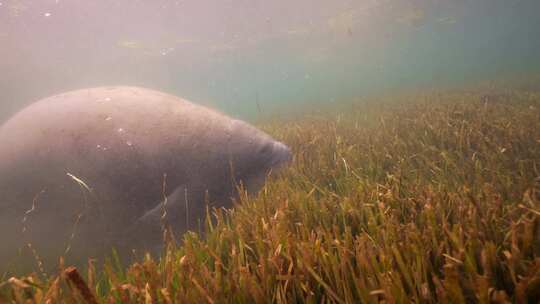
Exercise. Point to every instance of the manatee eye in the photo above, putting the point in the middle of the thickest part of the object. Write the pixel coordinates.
(267, 148)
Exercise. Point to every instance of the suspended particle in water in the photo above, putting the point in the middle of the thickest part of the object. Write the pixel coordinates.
(166, 51)
(106, 99)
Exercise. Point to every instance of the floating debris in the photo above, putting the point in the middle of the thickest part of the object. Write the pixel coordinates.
(415, 17)
(16, 9)
(343, 22)
(447, 20)
(130, 44)
(297, 31)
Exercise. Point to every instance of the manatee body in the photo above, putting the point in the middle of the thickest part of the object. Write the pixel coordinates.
(89, 169)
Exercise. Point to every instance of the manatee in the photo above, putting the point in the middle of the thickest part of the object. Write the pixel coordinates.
(89, 169)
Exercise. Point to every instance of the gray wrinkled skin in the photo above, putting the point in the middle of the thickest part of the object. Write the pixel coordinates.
(89, 169)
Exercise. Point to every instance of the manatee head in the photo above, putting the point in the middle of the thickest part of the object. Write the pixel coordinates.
(254, 155)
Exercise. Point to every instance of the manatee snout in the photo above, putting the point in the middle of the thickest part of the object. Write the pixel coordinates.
(272, 156)
(281, 155)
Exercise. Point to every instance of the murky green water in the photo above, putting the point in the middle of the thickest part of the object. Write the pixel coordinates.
(252, 57)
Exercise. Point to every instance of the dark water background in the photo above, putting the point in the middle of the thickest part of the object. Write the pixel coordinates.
(251, 56)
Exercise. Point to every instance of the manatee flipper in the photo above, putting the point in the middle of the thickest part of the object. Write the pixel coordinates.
(172, 213)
